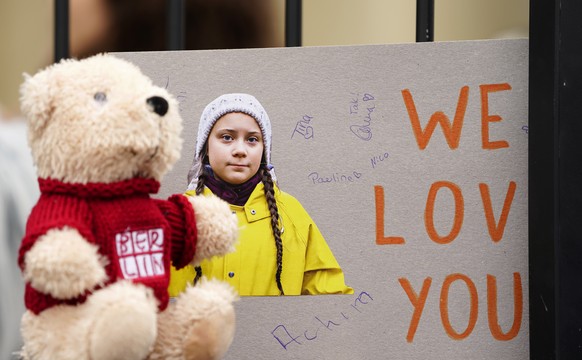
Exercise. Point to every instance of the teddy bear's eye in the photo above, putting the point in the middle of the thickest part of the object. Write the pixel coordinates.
(100, 97)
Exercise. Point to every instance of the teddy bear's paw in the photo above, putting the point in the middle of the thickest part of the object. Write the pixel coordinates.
(125, 322)
(212, 326)
(210, 338)
(56, 333)
(216, 225)
(117, 322)
(199, 325)
(209, 295)
(63, 264)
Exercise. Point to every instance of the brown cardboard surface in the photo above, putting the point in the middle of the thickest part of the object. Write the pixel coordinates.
(343, 139)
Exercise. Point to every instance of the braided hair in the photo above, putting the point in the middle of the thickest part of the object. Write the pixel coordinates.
(273, 209)
(199, 190)
(272, 203)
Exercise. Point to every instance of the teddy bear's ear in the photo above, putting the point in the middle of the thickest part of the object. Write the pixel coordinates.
(35, 99)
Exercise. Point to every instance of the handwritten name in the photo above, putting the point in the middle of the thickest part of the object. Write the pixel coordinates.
(362, 131)
(285, 338)
(304, 128)
(378, 158)
(334, 178)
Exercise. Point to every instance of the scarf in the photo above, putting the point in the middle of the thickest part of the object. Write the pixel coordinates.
(233, 194)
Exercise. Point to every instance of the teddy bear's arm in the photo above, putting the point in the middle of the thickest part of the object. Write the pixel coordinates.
(63, 264)
(202, 227)
(217, 227)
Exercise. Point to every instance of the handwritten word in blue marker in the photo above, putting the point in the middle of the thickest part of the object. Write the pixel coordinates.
(287, 338)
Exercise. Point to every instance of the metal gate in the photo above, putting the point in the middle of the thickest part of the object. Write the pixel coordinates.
(555, 160)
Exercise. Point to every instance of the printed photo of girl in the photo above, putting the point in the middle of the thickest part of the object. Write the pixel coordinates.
(280, 250)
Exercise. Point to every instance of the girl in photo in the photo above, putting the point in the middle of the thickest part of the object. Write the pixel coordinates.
(280, 249)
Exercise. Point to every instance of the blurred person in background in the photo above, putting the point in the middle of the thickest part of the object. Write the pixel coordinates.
(134, 25)
(107, 26)
(18, 193)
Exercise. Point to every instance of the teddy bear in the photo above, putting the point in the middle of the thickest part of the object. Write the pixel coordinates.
(98, 245)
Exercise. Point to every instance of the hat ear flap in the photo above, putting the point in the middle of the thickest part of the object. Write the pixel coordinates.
(35, 100)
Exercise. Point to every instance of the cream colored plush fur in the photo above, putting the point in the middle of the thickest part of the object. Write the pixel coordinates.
(89, 121)
(116, 322)
(204, 330)
(208, 228)
(76, 138)
(63, 264)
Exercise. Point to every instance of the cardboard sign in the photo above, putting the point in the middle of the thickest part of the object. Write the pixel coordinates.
(412, 160)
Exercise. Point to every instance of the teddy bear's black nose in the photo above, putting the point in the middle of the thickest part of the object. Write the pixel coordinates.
(159, 105)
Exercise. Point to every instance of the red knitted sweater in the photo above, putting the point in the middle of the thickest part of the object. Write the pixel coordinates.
(137, 234)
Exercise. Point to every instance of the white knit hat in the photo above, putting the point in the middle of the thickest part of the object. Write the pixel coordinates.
(219, 107)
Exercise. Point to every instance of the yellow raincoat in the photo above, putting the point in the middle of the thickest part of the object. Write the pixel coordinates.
(309, 266)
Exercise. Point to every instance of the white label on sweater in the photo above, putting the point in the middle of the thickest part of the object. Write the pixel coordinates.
(140, 253)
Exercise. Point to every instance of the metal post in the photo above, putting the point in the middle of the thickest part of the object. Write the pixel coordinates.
(424, 20)
(555, 179)
(293, 23)
(176, 25)
(61, 30)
